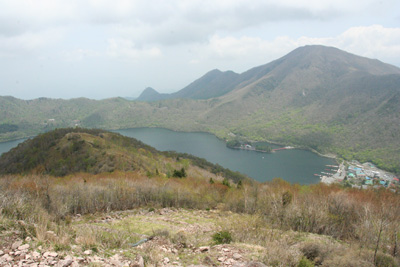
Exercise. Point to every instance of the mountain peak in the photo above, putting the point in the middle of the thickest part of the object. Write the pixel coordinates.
(310, 63)
(334, 58)
(150, 94)
(213, 84)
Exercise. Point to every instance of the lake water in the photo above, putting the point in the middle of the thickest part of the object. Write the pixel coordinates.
(6, 146)
(295, 166)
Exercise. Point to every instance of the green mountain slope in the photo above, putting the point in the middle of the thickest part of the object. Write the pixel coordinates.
(213, 84)
(317, 97)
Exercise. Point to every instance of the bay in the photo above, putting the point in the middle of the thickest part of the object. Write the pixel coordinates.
(294, 165)
(6, 146)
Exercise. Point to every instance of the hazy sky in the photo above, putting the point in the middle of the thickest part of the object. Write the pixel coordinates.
(100, 49)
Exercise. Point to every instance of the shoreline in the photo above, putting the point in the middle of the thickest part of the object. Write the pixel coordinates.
(331, 156)
(328, 155)
(260, 151)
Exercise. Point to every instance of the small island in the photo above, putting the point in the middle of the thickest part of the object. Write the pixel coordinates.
(259, 147)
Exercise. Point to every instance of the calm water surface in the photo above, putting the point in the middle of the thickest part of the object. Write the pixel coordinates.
(6, 146)
(296, 166)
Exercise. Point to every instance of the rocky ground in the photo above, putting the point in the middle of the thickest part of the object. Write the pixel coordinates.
(177, 238)
(20, 254)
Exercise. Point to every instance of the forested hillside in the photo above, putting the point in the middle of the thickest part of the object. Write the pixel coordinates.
(315, 97)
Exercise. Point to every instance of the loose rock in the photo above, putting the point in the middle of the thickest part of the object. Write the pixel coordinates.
(204, 249)
(65, 263)
(139, 262)
(23, 247)
(16, 244)
(237, 256)
(87, 252)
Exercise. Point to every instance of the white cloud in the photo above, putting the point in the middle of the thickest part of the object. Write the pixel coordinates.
(79, 54)
(159, 21)
(373, 41)
(177, 22)
(126, 49)
(27, 43)
(26, 15)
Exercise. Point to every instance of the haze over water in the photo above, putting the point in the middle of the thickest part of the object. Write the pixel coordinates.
(295, 166)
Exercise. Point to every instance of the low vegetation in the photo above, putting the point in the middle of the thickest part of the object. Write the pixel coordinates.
(277, 223)
(362, 225)
(222, 237)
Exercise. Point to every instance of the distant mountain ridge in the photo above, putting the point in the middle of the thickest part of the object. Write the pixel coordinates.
(315, 97)
(213, 84)
(217, 83)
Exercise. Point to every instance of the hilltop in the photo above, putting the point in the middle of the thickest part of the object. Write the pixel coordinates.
(150, 94)
(73, 150)
(315, 97)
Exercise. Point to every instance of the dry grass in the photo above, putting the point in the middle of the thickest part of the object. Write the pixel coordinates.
(257, 214)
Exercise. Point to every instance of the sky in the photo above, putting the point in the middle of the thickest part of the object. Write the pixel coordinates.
(100, 49)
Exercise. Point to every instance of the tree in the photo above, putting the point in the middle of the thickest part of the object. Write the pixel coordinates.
(179, 173)
(226, 183)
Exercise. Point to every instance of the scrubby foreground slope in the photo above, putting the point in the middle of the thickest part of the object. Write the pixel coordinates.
(274, 223)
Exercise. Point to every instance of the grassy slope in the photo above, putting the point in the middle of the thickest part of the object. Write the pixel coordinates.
(274, 222)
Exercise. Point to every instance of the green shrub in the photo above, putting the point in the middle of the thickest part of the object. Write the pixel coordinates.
(222, 237)
(304, 262)
(179, 173)
(226, 183)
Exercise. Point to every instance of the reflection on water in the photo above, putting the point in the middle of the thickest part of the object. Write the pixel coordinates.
(295, 166)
